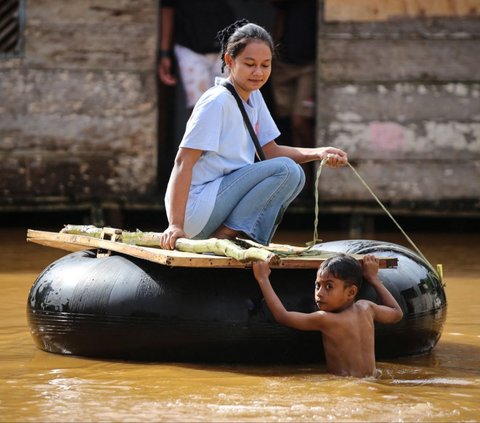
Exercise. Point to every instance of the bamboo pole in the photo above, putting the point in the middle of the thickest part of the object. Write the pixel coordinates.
(221, 247)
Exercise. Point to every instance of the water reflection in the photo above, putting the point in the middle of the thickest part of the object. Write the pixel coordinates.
(40, 387)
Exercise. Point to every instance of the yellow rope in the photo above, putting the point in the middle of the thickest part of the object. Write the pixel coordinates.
(315, 231)
(315, 223)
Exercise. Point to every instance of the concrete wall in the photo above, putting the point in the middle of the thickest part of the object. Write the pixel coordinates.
(78, 110)
(403, 98)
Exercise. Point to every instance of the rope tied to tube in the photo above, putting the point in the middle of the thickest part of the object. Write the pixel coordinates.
(315, 229)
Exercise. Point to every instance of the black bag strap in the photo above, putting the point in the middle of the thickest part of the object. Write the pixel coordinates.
(260, 153)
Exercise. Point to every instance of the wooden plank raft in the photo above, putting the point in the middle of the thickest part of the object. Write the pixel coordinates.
(74, 242)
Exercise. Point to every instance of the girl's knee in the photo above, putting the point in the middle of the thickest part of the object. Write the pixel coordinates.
(301, 175)
(294, 171)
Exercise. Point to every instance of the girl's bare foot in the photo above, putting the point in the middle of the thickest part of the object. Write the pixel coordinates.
(224, 232)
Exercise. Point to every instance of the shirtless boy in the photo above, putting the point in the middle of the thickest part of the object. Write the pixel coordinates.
(347, 325)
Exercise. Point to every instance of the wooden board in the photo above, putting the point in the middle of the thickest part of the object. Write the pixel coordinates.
(172, 257)
(382, 10)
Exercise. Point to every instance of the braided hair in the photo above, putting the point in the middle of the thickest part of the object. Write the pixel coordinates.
(235, 37)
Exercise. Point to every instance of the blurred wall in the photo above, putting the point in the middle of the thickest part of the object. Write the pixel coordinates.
(78, 107)
(399, 89)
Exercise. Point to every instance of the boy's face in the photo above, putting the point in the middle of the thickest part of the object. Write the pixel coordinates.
(331, 293)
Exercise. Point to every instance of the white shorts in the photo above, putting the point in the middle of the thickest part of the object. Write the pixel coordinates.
(197, 72)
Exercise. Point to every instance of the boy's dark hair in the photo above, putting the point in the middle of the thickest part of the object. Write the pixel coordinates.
(344, 267)
(235, 37)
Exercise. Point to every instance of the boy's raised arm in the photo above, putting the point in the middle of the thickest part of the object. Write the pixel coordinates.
(389, 311)
(262, 271)
(294, 319)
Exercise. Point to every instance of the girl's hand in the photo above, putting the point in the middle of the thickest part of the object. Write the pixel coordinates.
(335, 156)
(170, 236)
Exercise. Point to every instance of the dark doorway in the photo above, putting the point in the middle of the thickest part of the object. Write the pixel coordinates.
(172, 113)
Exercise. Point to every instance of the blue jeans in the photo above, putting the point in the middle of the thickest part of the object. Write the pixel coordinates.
(254, 198)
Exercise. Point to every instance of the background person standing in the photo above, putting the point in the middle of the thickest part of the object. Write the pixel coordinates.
(188, 34)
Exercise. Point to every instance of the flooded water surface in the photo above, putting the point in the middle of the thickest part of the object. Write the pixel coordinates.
(36, 386)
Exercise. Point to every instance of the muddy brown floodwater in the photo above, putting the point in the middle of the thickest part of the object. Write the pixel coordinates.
(442, 386)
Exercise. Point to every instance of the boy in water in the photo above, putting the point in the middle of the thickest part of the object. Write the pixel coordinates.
(347, 325)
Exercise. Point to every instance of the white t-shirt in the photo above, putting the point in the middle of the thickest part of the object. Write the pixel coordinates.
(217, 128)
